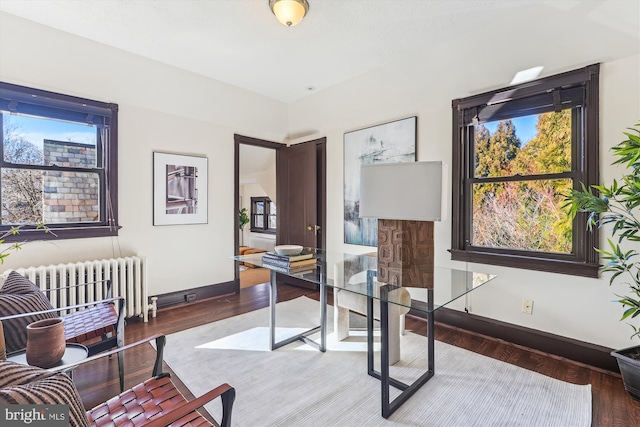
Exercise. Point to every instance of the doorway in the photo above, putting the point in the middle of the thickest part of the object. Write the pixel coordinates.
(291, 199)
(255, 180)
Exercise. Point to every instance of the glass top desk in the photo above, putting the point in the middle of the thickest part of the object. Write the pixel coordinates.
(357, 274)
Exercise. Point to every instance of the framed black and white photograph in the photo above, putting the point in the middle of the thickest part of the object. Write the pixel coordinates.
(179, 189)
(386, 143)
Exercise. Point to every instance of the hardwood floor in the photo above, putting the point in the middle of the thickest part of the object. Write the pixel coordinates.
(97, 381)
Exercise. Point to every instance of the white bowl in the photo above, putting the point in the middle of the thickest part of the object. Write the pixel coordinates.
(288, 249)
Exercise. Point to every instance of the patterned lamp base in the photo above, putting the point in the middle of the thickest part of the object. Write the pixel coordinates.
(405, 253)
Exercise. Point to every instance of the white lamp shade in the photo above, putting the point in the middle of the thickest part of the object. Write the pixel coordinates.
(404, 191)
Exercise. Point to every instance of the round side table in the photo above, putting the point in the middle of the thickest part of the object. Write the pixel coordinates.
(73, 353)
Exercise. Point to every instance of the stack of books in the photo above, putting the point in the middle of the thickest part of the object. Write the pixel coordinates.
(298, 264)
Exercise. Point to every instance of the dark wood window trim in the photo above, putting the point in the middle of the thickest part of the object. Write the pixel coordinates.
(265, 216)
(41, 103)
(562, 89)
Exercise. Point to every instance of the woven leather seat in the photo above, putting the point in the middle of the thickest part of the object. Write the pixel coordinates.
(155, 403)
(91, 323)
(153, 398)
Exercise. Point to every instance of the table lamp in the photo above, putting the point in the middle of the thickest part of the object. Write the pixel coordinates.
(406, 198)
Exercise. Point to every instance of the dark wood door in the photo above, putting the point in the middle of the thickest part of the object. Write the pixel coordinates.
(300, 198)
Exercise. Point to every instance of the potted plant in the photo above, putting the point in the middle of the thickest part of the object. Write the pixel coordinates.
(243, 219)
(618, 205)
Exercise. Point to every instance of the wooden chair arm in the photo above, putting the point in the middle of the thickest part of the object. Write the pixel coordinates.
(179, 412)
(70, 307)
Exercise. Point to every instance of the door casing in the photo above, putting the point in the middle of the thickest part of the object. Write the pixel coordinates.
(320, 150)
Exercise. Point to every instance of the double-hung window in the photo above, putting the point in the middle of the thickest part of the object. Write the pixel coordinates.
(58, 165)
(263, 215)
(517, 152)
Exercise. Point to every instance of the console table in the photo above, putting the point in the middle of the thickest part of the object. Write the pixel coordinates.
(449, 285)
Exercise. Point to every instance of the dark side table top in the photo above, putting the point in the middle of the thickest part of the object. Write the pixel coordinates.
(73, 353)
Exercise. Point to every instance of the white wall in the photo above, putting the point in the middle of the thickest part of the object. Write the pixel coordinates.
(161, 109)
(166, 109)
(267, 180)
(575, 307)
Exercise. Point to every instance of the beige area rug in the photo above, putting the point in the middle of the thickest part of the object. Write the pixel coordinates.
(253, 276)
(298, 386)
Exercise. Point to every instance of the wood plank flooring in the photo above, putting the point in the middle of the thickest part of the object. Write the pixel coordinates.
(97, 381)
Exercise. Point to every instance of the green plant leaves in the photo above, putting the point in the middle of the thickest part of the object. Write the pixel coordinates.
(617, 205)
(243, 218)
(13, 231)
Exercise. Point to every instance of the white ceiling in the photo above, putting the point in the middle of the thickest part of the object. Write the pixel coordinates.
(241, 43)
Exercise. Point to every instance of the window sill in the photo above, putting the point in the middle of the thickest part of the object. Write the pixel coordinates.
(32, 235)
(570, 267)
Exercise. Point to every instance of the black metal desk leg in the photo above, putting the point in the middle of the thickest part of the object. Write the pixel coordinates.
(431, 332)
(406, 390)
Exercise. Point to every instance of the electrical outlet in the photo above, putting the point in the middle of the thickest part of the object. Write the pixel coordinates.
(190, 297)
(527, 306)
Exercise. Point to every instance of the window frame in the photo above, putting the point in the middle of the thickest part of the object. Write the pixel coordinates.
(267, 213)
(583, 260)
(52, 105)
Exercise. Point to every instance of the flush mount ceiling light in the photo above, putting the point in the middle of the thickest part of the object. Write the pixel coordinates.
(289, 12)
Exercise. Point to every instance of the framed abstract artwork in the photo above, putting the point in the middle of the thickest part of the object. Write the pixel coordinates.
(386, 143)
(179, 189)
